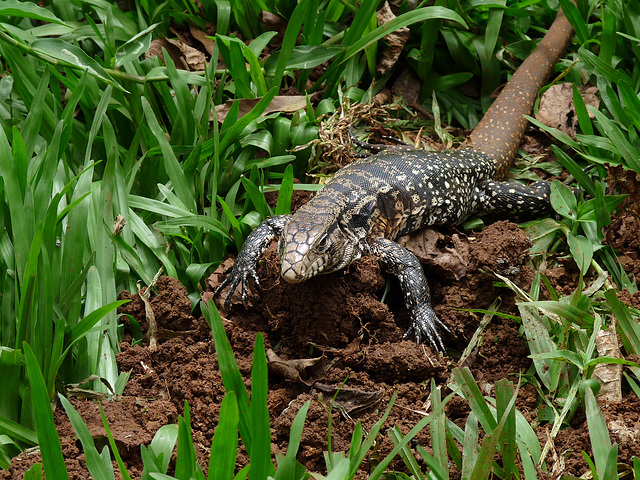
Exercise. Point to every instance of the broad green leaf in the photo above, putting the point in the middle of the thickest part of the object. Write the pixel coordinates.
(288, 43)
(72, 56)
(17, 431)
(565, 310)
(257, 197)
(163, 443)
(136, 46)
(581, 250)
(577, 22)
(306, 56)
(14, 8)
(231, 377)
(563, 200)
(185, 458)
(171, 164)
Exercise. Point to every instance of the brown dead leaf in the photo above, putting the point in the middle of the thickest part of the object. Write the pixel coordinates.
(449, 257)
(183, 56)
(626, 434)
(394, 41)
(155, 49)
(305, 370)
(627, 180)
(280, 103)
(352, 401)
(76, 390)
(382, 97)
(609, 375)
(193, 58)
(203, 38)
(118, 225)
(557, 109)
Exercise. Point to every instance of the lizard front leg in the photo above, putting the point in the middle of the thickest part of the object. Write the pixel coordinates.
(400, 262)
(246, 262)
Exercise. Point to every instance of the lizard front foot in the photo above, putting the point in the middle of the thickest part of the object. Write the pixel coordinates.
(424, 323)
(239, 274)
(246, 265)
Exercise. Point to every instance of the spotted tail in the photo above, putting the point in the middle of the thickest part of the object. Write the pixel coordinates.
(501, 130)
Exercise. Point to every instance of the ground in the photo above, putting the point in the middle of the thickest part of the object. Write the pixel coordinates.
(340, 316)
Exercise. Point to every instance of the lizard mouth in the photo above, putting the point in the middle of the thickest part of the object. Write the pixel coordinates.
(290, 275)
(298, 272)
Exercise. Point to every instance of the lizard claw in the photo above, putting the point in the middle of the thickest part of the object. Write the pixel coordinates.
(246, 264)
(239, 276)
(424, 322)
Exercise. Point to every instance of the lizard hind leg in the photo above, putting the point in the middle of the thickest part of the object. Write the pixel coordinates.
(506, 199)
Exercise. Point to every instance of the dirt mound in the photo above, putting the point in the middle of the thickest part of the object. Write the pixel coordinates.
(340, 316)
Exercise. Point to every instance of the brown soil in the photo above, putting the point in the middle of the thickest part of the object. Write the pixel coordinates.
(341, 316)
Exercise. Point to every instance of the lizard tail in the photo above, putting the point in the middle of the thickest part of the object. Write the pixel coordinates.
(502, 128)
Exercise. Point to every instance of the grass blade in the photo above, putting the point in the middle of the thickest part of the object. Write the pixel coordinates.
(289, 41)
(48, 440)
(224, 448)
(114, 448)
(172, 166)
(598, 432)
(260, 453)
(94, 462)
(283, 207)
(231, 377)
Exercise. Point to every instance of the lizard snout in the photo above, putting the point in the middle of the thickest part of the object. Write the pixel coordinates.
(291, 276)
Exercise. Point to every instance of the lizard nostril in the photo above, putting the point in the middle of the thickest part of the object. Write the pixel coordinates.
(289, 274)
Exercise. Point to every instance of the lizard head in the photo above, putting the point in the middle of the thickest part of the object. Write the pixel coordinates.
(314, 244)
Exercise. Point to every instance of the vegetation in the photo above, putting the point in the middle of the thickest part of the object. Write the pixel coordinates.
(90, 130)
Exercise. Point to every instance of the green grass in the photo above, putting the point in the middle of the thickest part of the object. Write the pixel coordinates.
(90, 129)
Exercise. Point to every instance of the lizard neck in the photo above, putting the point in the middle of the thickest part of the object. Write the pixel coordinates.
(502, 128)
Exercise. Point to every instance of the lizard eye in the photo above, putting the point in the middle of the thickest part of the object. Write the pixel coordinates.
(323, 245)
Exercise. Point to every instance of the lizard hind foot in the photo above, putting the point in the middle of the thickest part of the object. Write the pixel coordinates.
(424, 325)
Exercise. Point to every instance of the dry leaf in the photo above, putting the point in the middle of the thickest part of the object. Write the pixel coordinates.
(448, 258)
(280, 103)
(183, 56)
(353, 401)
(118, 225)
(193, 58)
(155, 49)
(395, 41)
(557, 109)
(306, 370)
(202, 37)
(609, 375)
(625, 434)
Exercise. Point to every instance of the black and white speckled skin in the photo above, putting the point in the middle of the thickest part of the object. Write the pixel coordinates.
(374, 200)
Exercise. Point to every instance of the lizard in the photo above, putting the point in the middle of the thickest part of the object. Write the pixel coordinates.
(374, 200)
